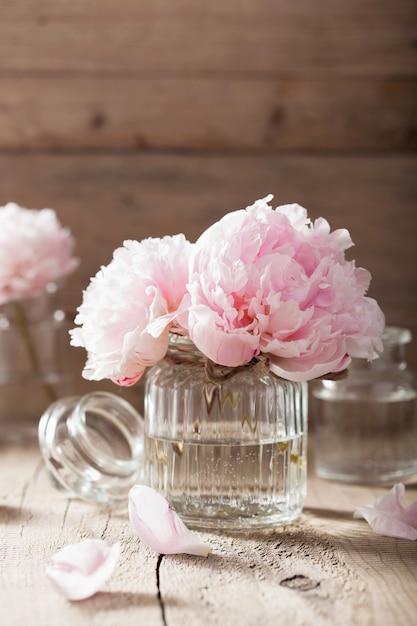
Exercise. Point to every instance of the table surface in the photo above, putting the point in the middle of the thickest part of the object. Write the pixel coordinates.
(327, 568)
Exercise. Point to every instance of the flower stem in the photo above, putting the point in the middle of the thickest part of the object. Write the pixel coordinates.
(23, 328)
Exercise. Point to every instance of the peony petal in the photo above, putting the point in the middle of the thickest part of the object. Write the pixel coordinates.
(159, 527)
(388, 517)
(80, 569)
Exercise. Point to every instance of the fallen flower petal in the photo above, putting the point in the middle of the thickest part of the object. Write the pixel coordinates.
(80, 569)
(159, 527)
(388, 517)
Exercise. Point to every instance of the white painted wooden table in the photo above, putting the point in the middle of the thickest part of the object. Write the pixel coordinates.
(325, 569)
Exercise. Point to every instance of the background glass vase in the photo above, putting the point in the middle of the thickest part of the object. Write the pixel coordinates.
(365, 425)
(34, 362)
(226, 446)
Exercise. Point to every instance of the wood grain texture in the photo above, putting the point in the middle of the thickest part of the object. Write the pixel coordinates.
(327, 568)
(363, 38)
(287, 113)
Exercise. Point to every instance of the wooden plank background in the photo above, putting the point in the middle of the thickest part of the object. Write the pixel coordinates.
(135, 118)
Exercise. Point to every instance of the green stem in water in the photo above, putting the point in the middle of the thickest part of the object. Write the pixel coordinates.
(23, 328)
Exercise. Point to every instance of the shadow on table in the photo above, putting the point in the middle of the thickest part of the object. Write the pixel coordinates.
(119, 600)
(11, 514)
(333, 514)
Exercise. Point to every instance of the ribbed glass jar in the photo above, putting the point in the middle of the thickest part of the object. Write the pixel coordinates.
(226, 446)
(365, 425)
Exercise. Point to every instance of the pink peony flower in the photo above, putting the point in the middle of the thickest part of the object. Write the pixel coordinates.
(159, 527)
(34, 251)
(389, 517)
(269, 281)
(79, 570)
(258, 281)
(130, 307)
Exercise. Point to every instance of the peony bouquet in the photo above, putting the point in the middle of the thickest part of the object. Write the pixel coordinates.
(260, 282)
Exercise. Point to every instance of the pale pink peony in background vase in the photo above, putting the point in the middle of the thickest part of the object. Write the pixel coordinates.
(36, 254)
(35, 250)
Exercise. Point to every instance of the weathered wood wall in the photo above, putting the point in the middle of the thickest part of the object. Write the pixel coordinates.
(148, 117)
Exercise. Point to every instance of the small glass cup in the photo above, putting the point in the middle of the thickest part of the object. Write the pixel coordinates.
(92, 446)
(365, 425)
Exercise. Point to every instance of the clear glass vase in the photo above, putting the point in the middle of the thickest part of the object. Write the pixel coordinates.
(226, 446)
(365, 425)
(34, 362)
